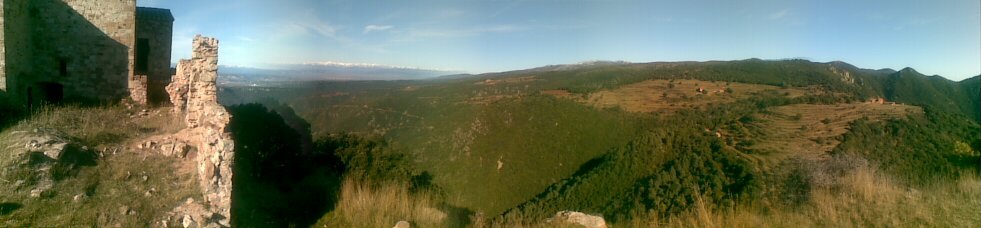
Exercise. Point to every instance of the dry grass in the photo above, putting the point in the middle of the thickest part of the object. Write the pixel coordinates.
(365, 205)
(104, 125)
(106, 186)
(560, 93)
(673, 95)
(856, 195)
(810, 131)
(862, 197)
(508, 80)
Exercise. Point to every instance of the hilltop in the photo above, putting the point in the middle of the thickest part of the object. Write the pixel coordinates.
(749, 142)
(601, 138)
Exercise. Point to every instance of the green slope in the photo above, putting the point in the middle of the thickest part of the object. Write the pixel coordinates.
(557, 154)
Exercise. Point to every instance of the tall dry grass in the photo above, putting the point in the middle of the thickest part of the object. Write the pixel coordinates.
(859, 197)
(843, 193)
(362, 204)
(103, 124)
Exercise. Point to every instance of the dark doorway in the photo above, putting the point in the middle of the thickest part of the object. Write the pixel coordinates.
(142, 55)
(63, 67)
(50, 92)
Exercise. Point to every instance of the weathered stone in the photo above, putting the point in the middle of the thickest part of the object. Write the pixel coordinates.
(38, 149)
(42, 189)
(81, 50)
(193, 214)
(50, 142)
(193, 91)
(79, 197)
(154, 27)
(187, 221)
(179, 86)
(579, 218)
(137, 88)
(402, 224)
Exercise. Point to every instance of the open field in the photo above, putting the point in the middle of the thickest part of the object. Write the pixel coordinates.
(672, 95)
(808, 131)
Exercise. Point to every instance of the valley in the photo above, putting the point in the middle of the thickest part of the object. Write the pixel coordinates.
(514, 146)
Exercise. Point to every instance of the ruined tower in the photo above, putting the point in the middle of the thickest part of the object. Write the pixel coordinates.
(80, 50)
(194, 93)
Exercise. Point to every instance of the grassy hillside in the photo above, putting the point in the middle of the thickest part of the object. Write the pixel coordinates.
(639, 142)
(99, 179)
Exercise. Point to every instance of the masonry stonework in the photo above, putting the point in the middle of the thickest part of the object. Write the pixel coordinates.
(194, 94)
(69, 50)
(16, 36)
(3, 69)
(154, 29)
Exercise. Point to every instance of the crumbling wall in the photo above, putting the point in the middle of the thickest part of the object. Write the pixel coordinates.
(195, 97)
(137, 88)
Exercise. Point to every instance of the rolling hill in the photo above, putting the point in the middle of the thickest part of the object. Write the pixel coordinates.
(627, 139)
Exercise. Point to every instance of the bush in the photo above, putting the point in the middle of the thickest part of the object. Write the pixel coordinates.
(916, 149)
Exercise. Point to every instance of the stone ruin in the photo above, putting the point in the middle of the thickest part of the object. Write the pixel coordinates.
(206, 123)
(205, 140)
(56, 51)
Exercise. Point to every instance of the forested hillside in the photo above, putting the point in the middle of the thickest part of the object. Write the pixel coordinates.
(654, 142)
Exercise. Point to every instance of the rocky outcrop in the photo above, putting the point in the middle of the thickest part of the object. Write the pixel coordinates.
(194, 93)
(578, 218)
(37, 152)
(402, 224)
(843, 74)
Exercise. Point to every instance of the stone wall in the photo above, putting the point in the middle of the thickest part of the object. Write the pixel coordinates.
(138, 88)
(195, 97)
(76, 50)
(92, 39)
(3, 69)
(155, 26)
(16, 42)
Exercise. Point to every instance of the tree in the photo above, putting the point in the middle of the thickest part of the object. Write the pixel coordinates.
(963, 149)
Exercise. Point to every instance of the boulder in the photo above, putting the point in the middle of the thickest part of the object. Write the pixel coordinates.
(578, 218)
(50, 142)
(402, 224)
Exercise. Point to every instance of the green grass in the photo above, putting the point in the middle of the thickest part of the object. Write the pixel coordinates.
(99, 170)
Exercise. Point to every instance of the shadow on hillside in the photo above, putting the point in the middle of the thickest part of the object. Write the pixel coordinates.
(276, 183)
(71, 159)
(8, 207)
(9, 112)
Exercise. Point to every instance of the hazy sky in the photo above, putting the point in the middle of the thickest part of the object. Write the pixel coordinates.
(934, 37)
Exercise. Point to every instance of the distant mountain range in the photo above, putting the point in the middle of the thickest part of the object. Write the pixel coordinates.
(339, 71)
(318, 71)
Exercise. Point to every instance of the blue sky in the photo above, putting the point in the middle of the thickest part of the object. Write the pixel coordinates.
(934, 37)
